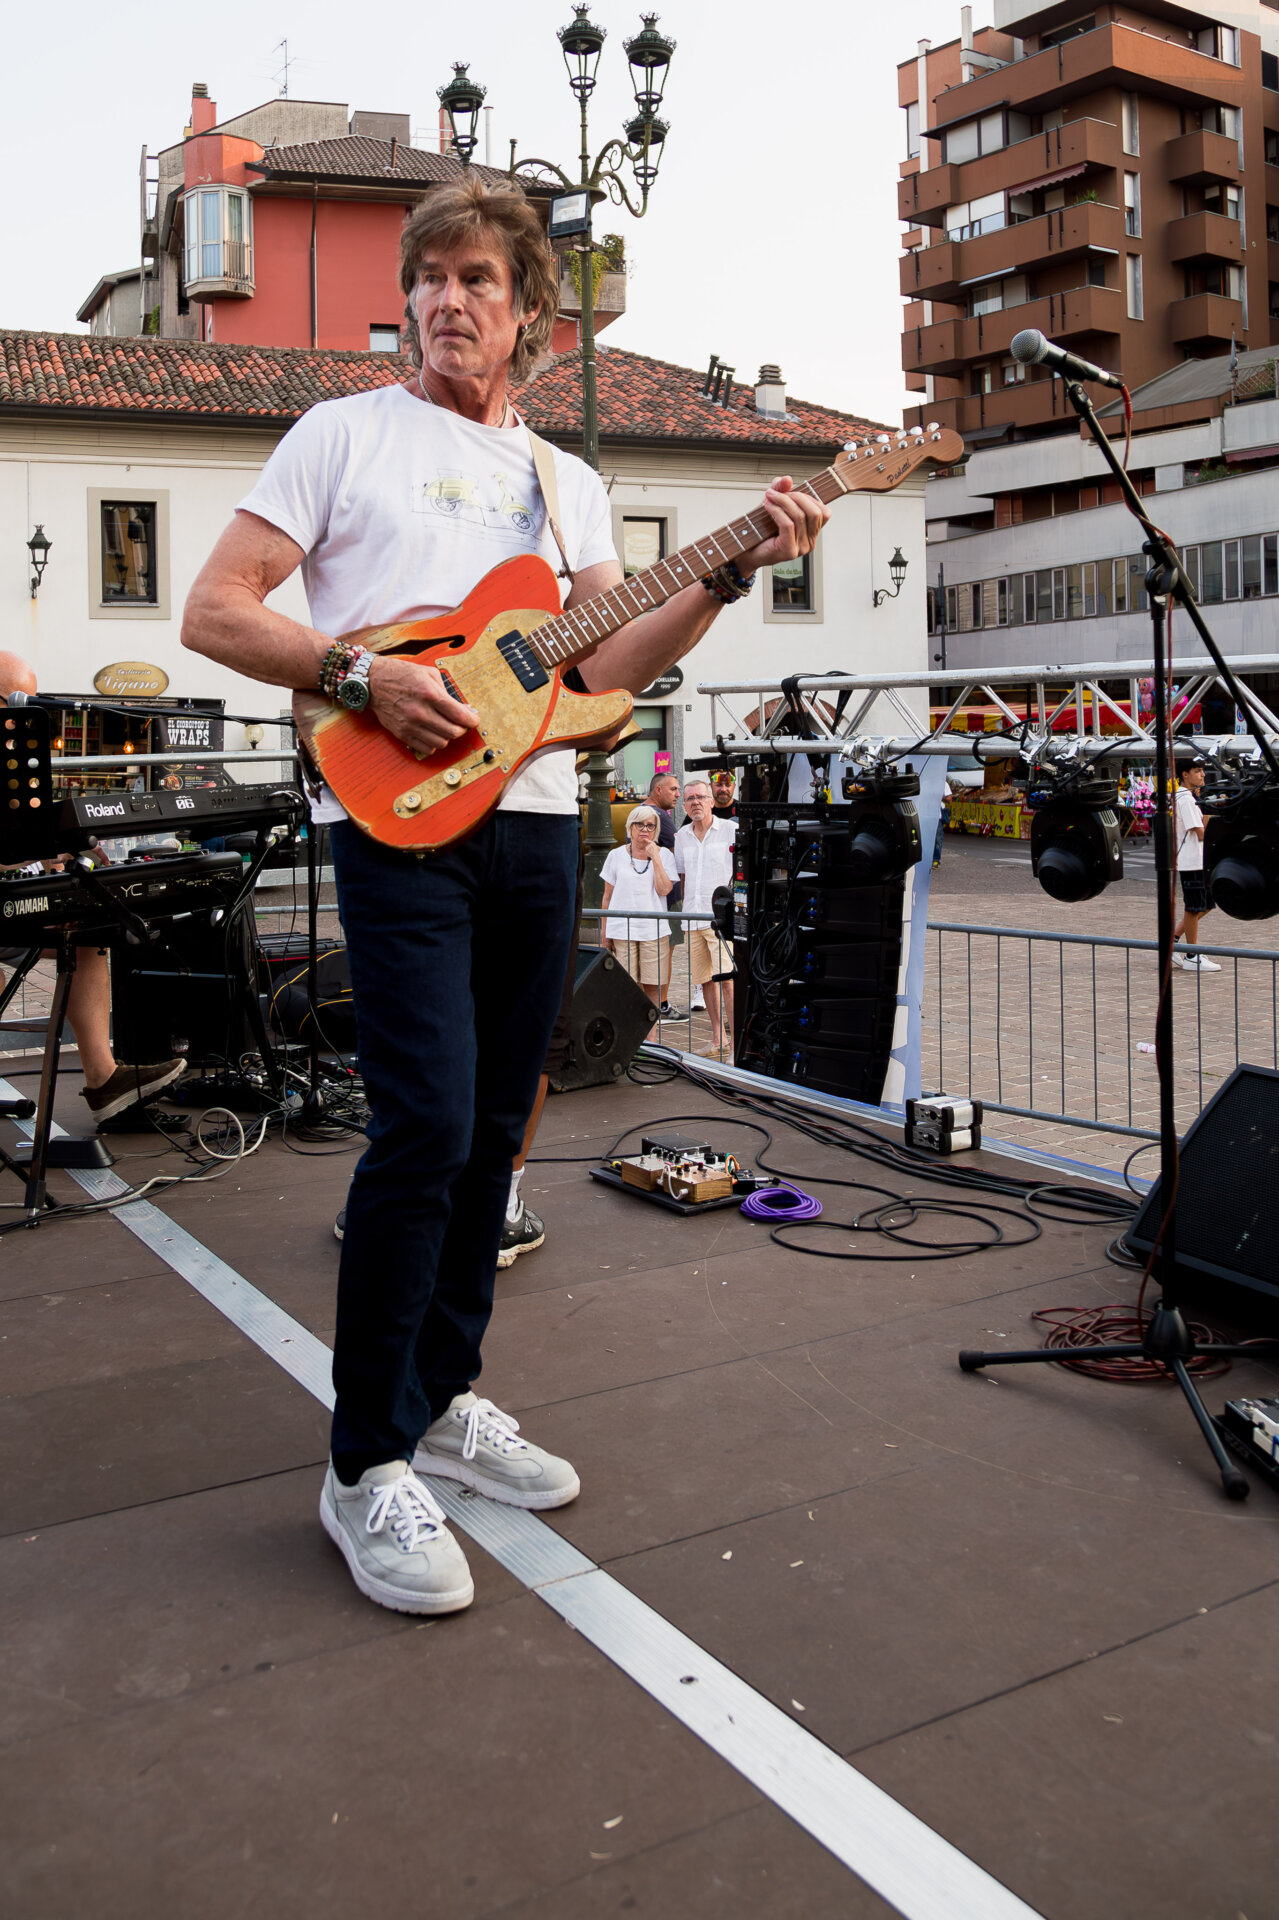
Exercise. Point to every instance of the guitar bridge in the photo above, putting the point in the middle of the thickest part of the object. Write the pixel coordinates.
(523, 662)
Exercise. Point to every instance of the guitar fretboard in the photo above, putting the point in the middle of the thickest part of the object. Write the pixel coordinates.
(578, 630)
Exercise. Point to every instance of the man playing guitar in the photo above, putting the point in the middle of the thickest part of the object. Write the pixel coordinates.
(457, 957)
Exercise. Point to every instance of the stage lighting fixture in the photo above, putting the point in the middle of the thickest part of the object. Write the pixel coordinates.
(1241, 851)
(1076, 848)
(883, 833)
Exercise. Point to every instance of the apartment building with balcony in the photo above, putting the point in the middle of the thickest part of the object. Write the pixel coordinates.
(1110, 176)
(279, 227)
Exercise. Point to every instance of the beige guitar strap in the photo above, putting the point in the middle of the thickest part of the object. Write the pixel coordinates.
(544, 466)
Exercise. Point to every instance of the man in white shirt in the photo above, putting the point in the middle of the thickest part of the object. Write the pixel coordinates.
(704, 860)
(395, 503)
(1189, 840)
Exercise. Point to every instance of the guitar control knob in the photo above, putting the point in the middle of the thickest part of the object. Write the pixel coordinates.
(489, 754)
(452, 778)
(408, 803)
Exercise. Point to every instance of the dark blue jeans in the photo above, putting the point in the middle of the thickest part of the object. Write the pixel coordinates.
(457, 966)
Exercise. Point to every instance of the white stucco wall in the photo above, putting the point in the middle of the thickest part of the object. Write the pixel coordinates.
(48, 469)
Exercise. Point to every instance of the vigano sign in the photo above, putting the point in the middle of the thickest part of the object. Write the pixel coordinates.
(130, 677)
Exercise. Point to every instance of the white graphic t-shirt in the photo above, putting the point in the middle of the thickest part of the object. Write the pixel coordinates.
(402, 507)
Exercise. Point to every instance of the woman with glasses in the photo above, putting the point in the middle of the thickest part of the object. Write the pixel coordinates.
(636, 883)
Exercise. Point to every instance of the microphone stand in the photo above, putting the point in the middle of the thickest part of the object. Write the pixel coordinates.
(1167, 1340)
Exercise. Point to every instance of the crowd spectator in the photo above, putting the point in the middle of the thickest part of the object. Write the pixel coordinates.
(663, 792)
(1190, 865)
(723, 788)
(704, 860)
(636, 882)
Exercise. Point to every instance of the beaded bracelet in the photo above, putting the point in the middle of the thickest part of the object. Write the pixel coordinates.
(728, 583)
(337, 663)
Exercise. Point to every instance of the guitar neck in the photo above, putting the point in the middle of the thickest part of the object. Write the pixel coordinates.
(578, 630)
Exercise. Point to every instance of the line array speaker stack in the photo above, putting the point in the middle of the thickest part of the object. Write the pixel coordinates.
(817, 952)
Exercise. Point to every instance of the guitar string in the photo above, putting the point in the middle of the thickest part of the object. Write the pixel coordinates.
(562, 639)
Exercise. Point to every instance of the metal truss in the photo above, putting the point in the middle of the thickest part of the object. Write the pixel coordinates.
(831, 713)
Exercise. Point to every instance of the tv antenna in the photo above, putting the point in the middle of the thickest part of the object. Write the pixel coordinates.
(282, 46)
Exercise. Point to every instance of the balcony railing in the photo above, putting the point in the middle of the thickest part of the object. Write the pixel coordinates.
(1205, 236)
(221, 266)
(1205, 316)
(938, 273)
(1108, 55)
(1082, 144)
(950, 344)
(1198, 157)
(1030, 403)
(611, 297)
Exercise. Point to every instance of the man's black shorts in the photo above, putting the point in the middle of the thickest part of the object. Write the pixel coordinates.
(1194, 891)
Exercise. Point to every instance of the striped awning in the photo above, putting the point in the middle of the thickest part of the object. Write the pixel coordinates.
(1049, 179)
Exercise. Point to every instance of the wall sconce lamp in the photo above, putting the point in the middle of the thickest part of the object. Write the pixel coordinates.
(255, 734)
(897, 568)
(38, 547)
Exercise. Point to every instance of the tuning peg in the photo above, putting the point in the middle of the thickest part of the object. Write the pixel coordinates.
(934, 426)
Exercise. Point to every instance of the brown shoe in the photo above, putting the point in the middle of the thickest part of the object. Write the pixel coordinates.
(130, 1087)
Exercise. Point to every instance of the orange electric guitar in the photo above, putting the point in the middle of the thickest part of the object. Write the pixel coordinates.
(504, 651)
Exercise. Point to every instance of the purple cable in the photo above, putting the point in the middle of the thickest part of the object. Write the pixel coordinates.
(781, 1203)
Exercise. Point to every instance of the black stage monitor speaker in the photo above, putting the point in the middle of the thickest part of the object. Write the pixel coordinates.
(186, 993)
(1227, 1204)
(609, 1018)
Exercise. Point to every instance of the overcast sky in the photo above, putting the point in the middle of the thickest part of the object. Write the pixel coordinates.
(771, 234)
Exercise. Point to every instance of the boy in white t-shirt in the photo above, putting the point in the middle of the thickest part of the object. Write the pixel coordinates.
(395, 503)
(1189, 843)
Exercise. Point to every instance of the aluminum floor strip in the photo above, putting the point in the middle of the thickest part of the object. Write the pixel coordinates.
(909, 1865)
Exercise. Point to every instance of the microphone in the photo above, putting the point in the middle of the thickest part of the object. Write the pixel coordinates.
(1030, 346)
(20, 699)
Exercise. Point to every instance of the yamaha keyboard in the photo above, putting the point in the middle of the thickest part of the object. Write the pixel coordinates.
(196, 812)
(34, 909)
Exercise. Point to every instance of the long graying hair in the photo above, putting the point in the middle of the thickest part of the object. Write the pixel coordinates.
(458, 215)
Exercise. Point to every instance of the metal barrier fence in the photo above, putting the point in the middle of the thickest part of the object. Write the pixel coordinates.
(1060, 1027)
(683, 1020)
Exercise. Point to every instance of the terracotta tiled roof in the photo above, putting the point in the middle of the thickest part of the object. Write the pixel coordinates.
(358, 157)
(71, 371)
(645, 399)
(639, 398)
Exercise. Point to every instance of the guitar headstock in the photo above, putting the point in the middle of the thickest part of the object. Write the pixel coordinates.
(879, 462)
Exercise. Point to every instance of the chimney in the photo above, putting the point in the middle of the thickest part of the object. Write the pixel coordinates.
(770, 393)
(965, 43)
(204, 112)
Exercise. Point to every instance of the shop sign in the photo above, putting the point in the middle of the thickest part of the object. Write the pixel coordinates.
(198, 732)
(661, 763)
(669, 682)
(130, 679)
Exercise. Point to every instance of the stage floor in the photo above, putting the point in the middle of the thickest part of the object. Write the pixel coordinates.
(1018, 1603)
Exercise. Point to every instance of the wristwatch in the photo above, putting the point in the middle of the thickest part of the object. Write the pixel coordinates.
(353, 687)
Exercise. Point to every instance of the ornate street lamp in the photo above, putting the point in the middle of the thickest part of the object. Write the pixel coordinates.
(583, 43)
(897, 569)
(649, 56)
(462, 100)
(38, 547)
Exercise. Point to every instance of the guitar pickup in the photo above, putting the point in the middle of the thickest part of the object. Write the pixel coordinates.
(523, 662)
(451, 687)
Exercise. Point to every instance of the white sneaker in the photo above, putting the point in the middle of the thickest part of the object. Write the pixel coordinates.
(1200, 963)
(698, 1001)
(393, 1538)
(478, 1444)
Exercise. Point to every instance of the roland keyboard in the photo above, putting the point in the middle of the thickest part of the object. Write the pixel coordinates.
(32, 909)
(196, 812)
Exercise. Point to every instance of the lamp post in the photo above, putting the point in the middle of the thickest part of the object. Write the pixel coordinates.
(38, 547)
(648, 55)
(462, 100)
(897, 571)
